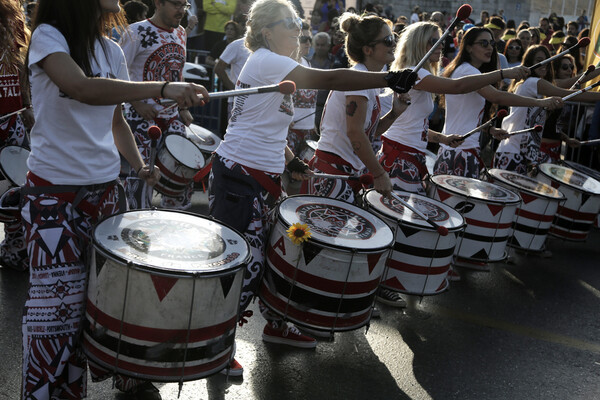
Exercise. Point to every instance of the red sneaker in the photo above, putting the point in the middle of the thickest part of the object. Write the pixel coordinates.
(289, 335)
(234, 369)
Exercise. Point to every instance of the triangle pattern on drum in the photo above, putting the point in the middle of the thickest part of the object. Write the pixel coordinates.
(372, 260)
(443, 195)
(408, 231)
(163, 285)
(527, 198)
(584, 198)
(310, 251)
(555, 184)
(393, 283)
(481, 255)
(226, 283)
(495, 209)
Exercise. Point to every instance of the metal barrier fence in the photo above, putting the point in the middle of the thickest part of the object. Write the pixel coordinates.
(576, 121)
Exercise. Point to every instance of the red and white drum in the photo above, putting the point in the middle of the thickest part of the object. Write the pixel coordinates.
(575, 218)
(163, 295)
(13, 164)
(421, 258)
(488, 210)
(328, 282)
(204, 139)
(179, 160)
(309, 151)
(536, 212)
(587, 171)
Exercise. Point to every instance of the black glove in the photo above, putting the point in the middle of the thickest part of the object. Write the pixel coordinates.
(297, 165)
(401, 81)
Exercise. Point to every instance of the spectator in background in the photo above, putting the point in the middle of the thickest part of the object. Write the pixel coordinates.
(484, 18)
(321, 59)
(556, 41)
(523, 25)
(572, 28)
(233, 59)
(315, 21)
(218, 12)
(571, 41)
(448, 48)
(510, 24)
(545, 32)
(536, 35)
(513, 51)
(497, 26)
(232, 32)
(525, 37)
(241, 13)
(582, 20)
(134, 11)
(414, 17)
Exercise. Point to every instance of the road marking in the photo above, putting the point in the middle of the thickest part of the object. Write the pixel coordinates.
(589, 287)
(522, 330)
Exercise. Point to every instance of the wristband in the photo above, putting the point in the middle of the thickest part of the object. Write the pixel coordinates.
(501, 74)
(138, 171)
(162, 89)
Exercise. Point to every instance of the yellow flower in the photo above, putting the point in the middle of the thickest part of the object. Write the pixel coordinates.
(298, 233)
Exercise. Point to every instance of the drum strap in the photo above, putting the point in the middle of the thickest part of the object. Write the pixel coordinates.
(74, 194)
(325, 161)
(392, 150)
(273, 186)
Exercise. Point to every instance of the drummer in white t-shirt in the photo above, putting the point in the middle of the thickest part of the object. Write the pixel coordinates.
(404, 143)
(465, 112)
(245, 177)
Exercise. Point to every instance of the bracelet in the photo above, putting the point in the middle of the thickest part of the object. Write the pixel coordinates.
(381, 174)
(162, 89)
(501, 74)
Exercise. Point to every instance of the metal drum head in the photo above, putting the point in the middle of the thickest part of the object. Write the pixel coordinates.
(185, 151)
(525, 183)
(475, 188)
(571, 178)
(439, 212)
(203, 138)
(583, 169)
(336, 223)
(13, 162)
(171, 242)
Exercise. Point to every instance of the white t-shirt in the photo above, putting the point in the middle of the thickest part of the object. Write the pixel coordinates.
(334, 136)
(72, 142)
(522, 118)
(464, 111)
(305, 105)
(411, 127)
(258, 127)
(154, 54)
(235, 54)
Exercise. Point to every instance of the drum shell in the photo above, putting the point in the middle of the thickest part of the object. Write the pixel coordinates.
(137, 320)
(420, 259)
(489, 224)
(575, 217)
(334, 290)
(533, 217)
(175, 176)
(587, 171)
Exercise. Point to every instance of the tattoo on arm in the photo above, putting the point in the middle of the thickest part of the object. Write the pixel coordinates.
(355, 146)
(351, 108)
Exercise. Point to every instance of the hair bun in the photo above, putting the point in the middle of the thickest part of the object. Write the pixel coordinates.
(349, 22)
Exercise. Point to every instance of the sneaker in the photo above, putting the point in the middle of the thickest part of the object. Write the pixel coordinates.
(453, 275)
(390, 298)
(144, 391)
(234, 369)
(289, 335)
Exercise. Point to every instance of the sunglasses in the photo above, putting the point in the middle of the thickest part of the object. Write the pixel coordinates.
(304, 39)
(514, 47)
(485, 43)
(567, 66)
(389, 41)
(289, 23)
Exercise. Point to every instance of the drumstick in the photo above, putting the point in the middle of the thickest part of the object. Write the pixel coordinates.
(537, 128)
(581, 91)
(283, 87)
(592, 142)
(583, 42)
(365, 179)
(588, 71)
(442, 230)
(499, 115)
(154, 133)
(463, 12)
(15, 112)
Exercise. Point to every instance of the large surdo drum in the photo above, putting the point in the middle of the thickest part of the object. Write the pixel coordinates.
(328, 282)
(575, 218)
(421, 257)
(488, 210)
(587, 171)
(536, 212)
(163, 296)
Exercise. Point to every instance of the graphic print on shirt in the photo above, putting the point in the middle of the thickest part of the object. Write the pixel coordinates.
(286, 105)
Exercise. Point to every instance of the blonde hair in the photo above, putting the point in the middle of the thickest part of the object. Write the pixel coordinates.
(261, 14)
(360, 31)
(412, 47)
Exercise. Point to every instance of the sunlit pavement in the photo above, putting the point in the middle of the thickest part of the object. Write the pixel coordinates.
(526, 330)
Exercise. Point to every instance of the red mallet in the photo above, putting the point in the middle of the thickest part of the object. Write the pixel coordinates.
(442, 230)
(583, 42)
(154, 134)
(462, 13)
(499, 115)
(588, 71)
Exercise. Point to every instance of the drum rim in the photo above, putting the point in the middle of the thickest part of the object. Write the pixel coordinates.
(576, 188)
(425, 227)
(217, 142)
(322, 243)
(454, 191)
(196, 168)
(597, 173)
(179, 273)
(4, 174)
(529, 191)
